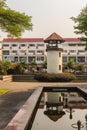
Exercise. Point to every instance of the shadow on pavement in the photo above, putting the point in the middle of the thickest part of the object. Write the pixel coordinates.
(10, 103)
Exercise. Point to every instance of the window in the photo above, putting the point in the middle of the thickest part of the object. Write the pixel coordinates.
(64, 44)
(81, 51)
(32, 52)
(59, 54)
(5, 52)
(15, 59)
(71, 44)
(5, 45)
(5, 58)
(14, 51)
(59, 67)
(72, 51)
(40, 44)
(23, 45)
(64, 59)
(81, 44)
(11, 58)
(22, 59)
(73, 58)
(41, 52)
(81, 59)
(14, 45)
(40, 58)
(31, 45)
(22, 51)
(30, 59)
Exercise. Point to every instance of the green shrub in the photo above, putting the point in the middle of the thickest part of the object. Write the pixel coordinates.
(18, 69)
(3, 72)
(61, 77)
(11, 71)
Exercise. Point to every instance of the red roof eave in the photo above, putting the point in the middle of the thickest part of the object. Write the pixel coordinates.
(23, 40)
(72, 40)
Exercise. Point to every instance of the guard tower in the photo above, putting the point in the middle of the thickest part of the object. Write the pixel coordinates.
(54, 53)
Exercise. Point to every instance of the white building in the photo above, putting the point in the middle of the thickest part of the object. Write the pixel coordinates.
(25, 49)
(0, 51)
(34, 49)
(73, 48)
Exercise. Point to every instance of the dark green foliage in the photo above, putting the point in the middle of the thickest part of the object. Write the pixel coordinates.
(18, 69)
(70, 64)
(62, 77)
(4, 66)
(33, 66)
(81, 24)
(11, 71)
(12, 22)
(44, 64)
(79, 67)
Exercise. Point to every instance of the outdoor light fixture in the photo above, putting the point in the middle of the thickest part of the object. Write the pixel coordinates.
(66, 102)
(70, 113)
(86, 119)
(78, 124)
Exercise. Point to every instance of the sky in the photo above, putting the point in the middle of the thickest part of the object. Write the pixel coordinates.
(49, 16)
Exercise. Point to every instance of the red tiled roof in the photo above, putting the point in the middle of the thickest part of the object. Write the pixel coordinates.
(54, 36)
(72, 40)
(23, 40)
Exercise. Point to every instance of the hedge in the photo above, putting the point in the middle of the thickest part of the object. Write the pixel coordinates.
(61, 77)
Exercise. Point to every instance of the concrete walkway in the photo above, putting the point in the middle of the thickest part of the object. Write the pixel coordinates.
(23, 86)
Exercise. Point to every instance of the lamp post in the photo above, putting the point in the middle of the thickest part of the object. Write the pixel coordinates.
(86, 119)
(79, 124)
(66, 102)
(70, 112)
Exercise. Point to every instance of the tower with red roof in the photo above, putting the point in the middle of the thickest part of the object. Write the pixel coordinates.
(54, 53)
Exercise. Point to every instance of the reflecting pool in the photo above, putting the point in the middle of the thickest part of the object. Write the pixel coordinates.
(61, 111)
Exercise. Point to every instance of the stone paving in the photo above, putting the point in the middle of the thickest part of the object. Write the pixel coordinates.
(19, 92)
(22, 86)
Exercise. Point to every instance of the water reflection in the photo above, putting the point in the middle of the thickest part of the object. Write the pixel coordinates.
(70, 116)
(54, 106)
(60, 110)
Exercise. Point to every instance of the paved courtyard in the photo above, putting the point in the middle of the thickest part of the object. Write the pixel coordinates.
(18, 93)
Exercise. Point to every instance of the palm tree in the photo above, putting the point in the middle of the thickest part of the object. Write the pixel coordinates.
(70, 64)
(4, 66)
(33, 65)
(79, 67)
(44, 64)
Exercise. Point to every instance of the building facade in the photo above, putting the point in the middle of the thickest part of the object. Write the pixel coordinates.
(25, 49)
(74, 49)
(34, 49)
(0, 51)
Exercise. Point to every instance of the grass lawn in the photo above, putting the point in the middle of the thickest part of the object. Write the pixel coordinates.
(3, 92)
